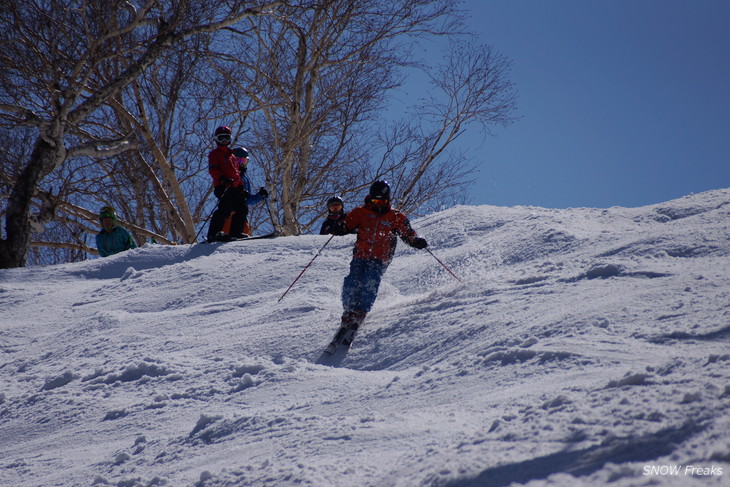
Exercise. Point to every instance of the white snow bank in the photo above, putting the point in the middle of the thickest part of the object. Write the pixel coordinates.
(583, 347)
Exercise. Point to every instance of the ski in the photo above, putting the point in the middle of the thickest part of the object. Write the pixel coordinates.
(257, 237)
(242, 239)
(344, 336)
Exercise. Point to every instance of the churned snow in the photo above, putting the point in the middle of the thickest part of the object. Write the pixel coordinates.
(582, 347)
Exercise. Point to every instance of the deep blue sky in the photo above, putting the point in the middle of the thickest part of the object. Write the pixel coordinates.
(622, 102)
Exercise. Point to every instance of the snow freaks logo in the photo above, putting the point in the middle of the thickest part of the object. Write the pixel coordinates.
(679, 470)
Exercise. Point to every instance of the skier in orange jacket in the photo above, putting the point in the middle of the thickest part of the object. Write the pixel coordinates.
(378, 226)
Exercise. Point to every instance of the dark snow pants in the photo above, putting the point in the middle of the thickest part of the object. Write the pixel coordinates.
(231, 200)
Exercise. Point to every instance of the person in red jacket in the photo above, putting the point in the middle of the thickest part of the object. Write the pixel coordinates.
(228, 188)
(378, 226)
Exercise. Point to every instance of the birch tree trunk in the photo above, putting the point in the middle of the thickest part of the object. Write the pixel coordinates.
(55, 58)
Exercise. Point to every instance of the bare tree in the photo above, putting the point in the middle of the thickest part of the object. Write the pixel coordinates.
(157, 173)
(118, 98)
(470, 87)
(65, 63)
(320, 79)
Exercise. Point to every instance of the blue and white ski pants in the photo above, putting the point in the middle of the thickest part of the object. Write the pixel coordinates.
(360, 287)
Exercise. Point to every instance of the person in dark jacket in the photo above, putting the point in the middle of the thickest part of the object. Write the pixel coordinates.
(228, 187)
(378, 226)
(336, 213)
(112, 238)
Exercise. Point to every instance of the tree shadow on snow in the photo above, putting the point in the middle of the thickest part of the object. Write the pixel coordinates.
(584, 462)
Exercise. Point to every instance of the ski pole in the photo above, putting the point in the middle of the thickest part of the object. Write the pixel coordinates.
(306, 267)
(204, 223)
(444, 265)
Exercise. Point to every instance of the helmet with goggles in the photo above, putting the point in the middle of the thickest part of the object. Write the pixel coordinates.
(223, 135)
(379, 196)
(107, 212)
(335, 204)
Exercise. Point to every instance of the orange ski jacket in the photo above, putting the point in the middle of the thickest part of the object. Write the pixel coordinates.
(376, 233)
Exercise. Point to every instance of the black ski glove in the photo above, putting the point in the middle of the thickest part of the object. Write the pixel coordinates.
(419, 243)
(219, 190)
(263, 193)
(339, 228)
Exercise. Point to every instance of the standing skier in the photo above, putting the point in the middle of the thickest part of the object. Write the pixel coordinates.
(112, 238)
(377, 226)
(228, 188)
(336, 209)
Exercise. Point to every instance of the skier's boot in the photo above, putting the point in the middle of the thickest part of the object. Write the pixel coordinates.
(222, 237)
(351, 321)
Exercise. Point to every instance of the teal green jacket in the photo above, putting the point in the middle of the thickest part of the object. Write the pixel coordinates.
(118, 240)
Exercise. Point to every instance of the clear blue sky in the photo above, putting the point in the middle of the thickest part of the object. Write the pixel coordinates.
(623, 102)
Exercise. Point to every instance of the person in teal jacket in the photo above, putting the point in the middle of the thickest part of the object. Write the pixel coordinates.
(112, 238)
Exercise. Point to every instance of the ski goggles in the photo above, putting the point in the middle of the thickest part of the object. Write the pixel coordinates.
(223, 139)
(379, 201)
(107, 212)
(335, 206)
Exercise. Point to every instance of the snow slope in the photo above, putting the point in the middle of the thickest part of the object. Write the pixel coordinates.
(583, 347)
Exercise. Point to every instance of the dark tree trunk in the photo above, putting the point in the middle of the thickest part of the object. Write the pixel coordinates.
(14, 249)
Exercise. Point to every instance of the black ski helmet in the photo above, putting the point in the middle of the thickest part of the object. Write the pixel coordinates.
(335, 199)
(240, 152)
(380, 189)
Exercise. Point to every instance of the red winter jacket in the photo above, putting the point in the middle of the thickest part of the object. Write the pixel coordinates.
(222, 164)
(376, 233)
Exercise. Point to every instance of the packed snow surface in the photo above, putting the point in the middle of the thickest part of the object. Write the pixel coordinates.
(581, 347)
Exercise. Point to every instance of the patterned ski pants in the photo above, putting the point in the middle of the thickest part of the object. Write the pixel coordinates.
(360, 287)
